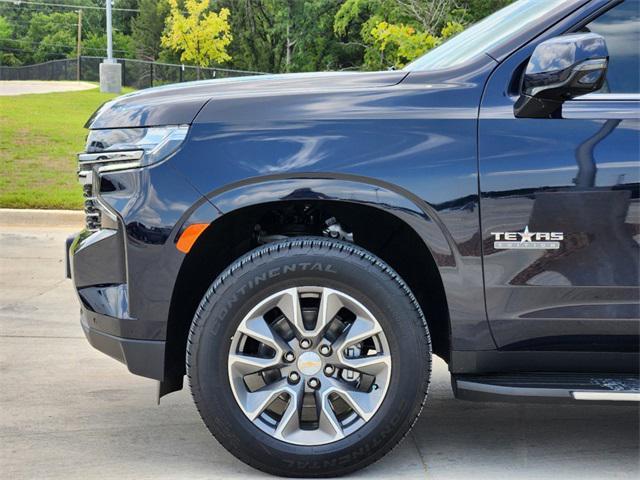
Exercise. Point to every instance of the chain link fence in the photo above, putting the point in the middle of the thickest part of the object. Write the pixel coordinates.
(135, 73)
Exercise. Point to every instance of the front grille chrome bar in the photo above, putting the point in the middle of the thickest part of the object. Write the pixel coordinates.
(85, 177)
(107, 157)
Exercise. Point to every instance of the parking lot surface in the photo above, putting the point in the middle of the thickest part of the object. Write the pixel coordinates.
(22, 87)
(69, 412)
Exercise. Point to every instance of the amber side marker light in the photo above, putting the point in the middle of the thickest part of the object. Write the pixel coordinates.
(189, 236)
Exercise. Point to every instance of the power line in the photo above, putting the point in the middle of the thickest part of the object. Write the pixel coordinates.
(84, 21)
(64, 5)
(58, 45)
(34, 8)
(58, 24)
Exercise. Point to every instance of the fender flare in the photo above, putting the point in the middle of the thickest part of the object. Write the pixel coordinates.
(404, 205)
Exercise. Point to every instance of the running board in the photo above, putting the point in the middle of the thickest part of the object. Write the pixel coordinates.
(547, 387)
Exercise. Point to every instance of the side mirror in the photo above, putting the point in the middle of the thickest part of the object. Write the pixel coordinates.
(560, 69)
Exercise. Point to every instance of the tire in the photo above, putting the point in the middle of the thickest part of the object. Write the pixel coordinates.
(332, 266)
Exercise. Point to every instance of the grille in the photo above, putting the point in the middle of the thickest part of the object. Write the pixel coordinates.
(92, 214)
(91, 166)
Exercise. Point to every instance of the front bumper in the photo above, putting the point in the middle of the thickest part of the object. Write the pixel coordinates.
(142, 357)
(95, 263)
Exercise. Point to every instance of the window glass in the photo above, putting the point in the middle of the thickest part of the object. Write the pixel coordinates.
(620, 27)
(484, 35)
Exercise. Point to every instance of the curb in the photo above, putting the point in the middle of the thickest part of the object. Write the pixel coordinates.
(16, 217)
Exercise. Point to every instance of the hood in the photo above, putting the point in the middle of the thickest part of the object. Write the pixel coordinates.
(178, 104)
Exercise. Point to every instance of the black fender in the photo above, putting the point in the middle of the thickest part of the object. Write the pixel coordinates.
(465, 294)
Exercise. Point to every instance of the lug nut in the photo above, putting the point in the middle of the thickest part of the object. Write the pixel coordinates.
(305, 343)
(325, 350)
(328, 370)
(289, 357)
(294, 377)
(313, 383)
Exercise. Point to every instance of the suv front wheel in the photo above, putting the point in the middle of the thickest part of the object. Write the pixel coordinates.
(309, 358)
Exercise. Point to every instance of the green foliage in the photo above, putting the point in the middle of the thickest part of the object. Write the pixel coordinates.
(123, 45)
(284, 35)
(261, 35)
(50, 35)
(351, 12)
(451, 29)
(312, 43)
(287, 35)
(390, 33)
(6, 31)
(399, 44)
(200, 35)
(5, 28)
(259, 28)
(470, 11)
(147, 28)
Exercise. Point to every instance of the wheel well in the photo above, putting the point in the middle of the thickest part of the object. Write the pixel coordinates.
(240, 231)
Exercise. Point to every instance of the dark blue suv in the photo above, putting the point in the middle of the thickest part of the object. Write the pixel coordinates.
(301, 245)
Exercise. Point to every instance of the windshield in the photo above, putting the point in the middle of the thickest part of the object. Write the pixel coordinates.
(484, 35)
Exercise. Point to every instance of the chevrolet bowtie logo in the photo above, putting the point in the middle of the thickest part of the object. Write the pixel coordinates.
(310, 364)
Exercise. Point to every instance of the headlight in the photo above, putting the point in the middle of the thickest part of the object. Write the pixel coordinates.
(118, 149)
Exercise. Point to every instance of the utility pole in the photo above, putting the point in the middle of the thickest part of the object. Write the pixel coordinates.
(109, 34)
(110, 69)
(79, 45)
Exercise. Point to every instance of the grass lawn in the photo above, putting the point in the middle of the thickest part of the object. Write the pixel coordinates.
(40, 135)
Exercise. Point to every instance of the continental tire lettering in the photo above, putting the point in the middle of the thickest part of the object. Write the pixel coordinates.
(303, 267)
(273, 273)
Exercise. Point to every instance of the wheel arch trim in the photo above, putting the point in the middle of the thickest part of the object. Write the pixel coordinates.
(421, 217)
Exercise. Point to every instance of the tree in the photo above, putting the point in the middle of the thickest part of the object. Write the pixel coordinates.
(395, 32)
(358, 22)
(399, 44)
(431, 14)
(147, 28)
(470, 11)
(201, 36)
(51, 35)
(259, 28)
(6, 32)
(311, 44)
(96, 44)
(124, 14)
(287, 36)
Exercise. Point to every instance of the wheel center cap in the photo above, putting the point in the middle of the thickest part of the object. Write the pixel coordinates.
(309, 363)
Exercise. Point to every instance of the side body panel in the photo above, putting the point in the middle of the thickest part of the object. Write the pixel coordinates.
(578, 175)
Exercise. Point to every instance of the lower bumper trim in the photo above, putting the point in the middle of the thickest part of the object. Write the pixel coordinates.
(142, 357)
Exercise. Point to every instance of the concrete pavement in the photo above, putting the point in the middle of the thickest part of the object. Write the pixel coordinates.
(42, 219)
(22, 87)
(69, 412)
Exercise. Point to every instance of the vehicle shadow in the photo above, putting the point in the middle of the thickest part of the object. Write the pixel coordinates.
(460, 439)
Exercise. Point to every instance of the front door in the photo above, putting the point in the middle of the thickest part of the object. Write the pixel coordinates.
(560, 207)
